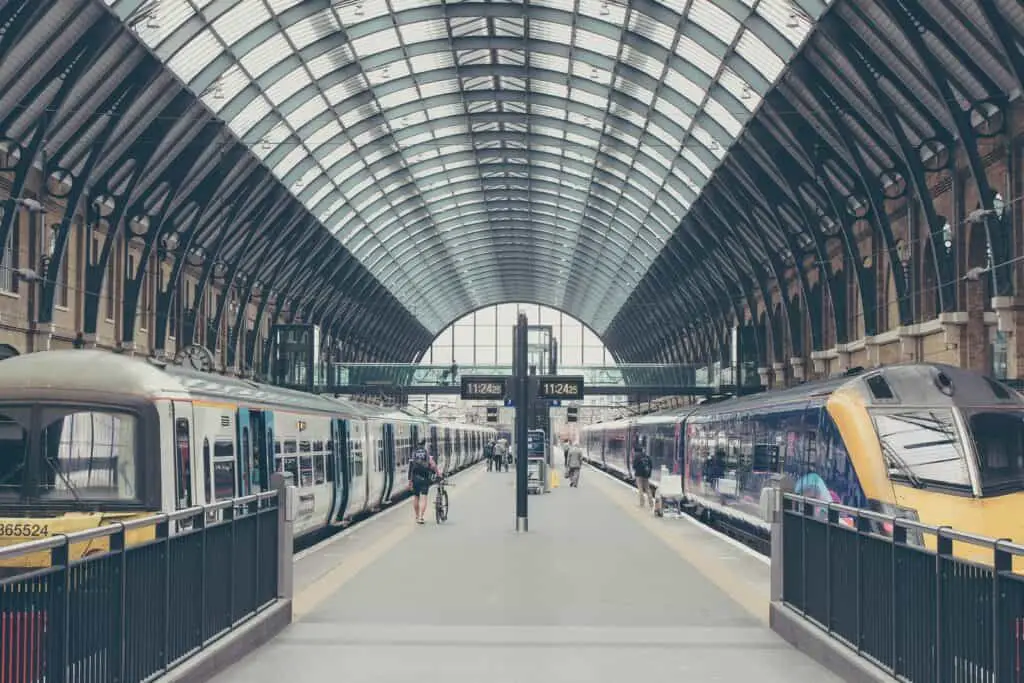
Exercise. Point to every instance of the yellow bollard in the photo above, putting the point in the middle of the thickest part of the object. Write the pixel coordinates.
(555, 478)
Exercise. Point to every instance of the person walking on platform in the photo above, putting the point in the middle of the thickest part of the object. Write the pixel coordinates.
(642, 467)
(500, 450)
(573, 463)
(421, 469)
(489, 454)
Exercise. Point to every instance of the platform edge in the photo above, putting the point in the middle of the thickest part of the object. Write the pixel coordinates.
(816, 644)
(233, 646)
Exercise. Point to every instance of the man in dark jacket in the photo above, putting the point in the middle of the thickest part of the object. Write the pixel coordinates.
(642, 467)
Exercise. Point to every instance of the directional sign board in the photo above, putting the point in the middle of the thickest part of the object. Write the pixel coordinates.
(484, 388)
(560, 387)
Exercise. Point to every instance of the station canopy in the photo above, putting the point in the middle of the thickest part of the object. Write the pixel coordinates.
(470, 153)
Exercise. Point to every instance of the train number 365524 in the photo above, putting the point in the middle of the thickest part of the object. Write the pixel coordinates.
(24, 530)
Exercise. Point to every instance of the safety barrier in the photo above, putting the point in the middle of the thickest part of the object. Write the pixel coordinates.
(892, 590)
(135, 609)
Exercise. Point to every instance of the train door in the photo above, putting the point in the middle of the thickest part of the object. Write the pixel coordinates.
(388, 434)
(244, 452)
(261, 425)
(339, 467)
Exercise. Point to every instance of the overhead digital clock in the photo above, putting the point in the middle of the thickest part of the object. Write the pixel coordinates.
(484, 388)
(560, 387)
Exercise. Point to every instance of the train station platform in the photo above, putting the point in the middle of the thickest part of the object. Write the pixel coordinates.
(598, 590)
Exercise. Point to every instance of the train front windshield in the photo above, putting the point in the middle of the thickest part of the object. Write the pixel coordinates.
(999, 442)
(923, 447)
(70, 456)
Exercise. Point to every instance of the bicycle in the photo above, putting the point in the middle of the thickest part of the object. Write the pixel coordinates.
(441, 500)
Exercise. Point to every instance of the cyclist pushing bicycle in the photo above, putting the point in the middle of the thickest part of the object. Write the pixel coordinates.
(422, 468)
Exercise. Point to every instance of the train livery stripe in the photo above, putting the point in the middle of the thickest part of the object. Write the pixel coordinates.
(854, 424)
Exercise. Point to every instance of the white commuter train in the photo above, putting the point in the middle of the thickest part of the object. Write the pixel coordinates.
(87, 437)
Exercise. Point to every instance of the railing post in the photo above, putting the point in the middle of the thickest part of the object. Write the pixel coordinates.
(284, 484)
(832, 518)
(899, 538)
(163, 531)
(1002, 561)
(118, 545)
(57, 621)
(943, 549)
(776, 520)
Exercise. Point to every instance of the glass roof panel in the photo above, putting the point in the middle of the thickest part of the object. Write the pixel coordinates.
(393, 116)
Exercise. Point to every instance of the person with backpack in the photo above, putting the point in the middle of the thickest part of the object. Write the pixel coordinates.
(489, 454)
(642, 467)
(422, 469)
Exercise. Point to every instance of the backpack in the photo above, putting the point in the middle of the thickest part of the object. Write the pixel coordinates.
(642, 465)
(419, 464)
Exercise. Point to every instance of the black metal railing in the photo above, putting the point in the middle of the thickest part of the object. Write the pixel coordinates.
(137, 607)
(901, 593)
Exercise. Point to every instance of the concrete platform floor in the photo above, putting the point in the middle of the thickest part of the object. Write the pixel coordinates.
(598, 590)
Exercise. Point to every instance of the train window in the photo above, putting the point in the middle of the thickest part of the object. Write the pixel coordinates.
(289, 447)
(223, 449)
(306, 470)
(999, 443)
(319, 469)
(13, 454)
(318, 446)
(224, 479)
(305, 447)
(998, 389)
(880, 389)
(289, 464)
(277, 447)
(922, 447)
(183, 463)
(90, 455)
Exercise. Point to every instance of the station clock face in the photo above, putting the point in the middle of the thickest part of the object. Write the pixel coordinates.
(195, 357)
(484, 388)
(560, 388)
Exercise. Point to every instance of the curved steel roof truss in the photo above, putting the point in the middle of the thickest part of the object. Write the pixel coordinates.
(370, 110)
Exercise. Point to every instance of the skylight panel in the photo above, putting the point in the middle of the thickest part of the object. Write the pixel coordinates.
(265, 55)
(760, 56)
(652, 29)
(253, 113)
(289, 162)
(289, 85)
(696, 54)
(423, 31)
(720, 115)
(305, 32)
(602, 45)
(715, 20)
(306, 113)
(195, 56)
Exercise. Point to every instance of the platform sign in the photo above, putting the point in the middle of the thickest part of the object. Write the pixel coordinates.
(484, 388)
(560, 387)
(536, 441)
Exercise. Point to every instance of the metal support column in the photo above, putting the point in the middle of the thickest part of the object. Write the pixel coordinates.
(522, 400)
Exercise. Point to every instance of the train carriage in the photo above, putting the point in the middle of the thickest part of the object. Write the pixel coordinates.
(926, 442)
(88, 437)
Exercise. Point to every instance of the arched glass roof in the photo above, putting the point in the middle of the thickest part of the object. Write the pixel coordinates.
(475, 152)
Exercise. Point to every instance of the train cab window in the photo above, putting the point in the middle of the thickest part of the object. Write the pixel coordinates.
(288, 461)
(999, 443)
(922, 447)
(880, 388)
(90, 455)
(13, 454)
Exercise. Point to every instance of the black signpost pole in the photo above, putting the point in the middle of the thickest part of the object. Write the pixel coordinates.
(521, 380)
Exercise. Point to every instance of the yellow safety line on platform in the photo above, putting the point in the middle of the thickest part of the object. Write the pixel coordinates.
(738, 588)
(313, 595)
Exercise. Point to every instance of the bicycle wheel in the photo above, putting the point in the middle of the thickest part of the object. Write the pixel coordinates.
(441, 506)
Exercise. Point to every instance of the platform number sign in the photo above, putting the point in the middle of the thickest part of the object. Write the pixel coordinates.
(572, 414)
(492, 414)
